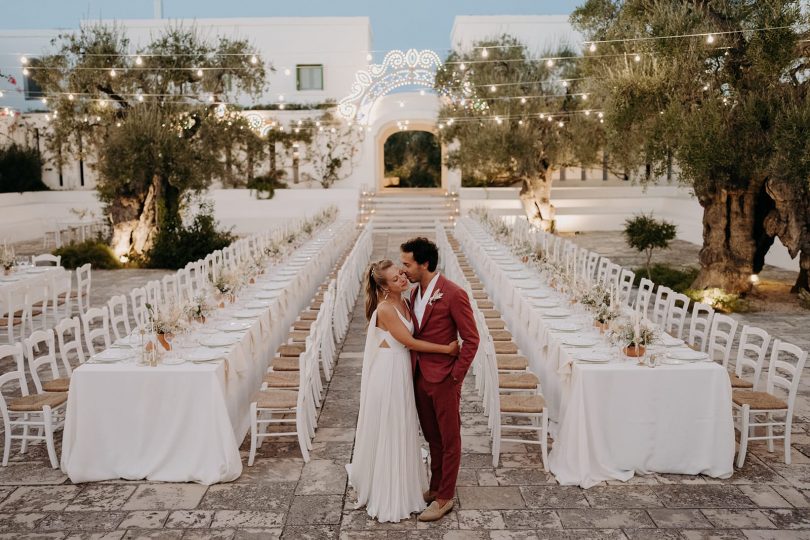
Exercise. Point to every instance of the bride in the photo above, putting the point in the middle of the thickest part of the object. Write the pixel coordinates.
(386, 470)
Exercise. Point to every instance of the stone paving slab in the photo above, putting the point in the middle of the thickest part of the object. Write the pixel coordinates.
(281, 497)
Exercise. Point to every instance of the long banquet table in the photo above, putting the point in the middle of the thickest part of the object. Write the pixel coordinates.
(613, 418)
(185, 422)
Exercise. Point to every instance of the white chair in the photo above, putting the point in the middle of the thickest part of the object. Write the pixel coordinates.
(46, 259)
(602, 271)
(119, 318)
(700, 324)
(751, 353)
(522, 407)
(69, 338)
(138, 302)
(153, 294)
(61, 288)
(170, 288)
(28, 417)
(660, 310)
(13, 306)
(625, 281)
(758, 409)
(40, 351)
(83, 283)
(643, 295)
(676, 314)
(721, 337)
(100, 318)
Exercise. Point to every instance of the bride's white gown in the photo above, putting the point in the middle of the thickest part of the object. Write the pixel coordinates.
(387, 471)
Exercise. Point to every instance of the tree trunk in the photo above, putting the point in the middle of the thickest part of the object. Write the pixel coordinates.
(535, 194)
(134, 221)
(790, 221)
(734, 239)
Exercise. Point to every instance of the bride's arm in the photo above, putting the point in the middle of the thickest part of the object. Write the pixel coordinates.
(387, 314)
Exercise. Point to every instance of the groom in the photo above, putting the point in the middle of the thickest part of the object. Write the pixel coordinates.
(441, 312)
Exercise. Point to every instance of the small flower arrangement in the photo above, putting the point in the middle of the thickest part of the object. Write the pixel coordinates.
(228, 282)
(7, 258)
(606, 313)
(166, 318)
(595, 297)
(634, 333)
(200, 307)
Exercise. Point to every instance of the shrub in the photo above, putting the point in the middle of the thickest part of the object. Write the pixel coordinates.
(720, 300)
(677, 279)
(177, 245)
(93, 251)
(20, 170)
(645, 233)
(267, 184)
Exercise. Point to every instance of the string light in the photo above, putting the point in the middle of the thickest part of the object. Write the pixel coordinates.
(523, 101)
(550, 63)
(592, 47)
(26, 71)
(710, 39)
(254, 60)
(637, 57)
(493, 88)
(199, 72)
(23, 60)
(70, 97)
(463, 66)
(287, 72)
(484, 53)
(113, 73)
(369, 58)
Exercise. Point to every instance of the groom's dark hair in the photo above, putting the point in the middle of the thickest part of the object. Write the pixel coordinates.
(423, 251)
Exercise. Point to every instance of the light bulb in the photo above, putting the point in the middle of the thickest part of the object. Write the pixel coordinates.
(550, 63)
(254, 60)
(199, 72)
(113, 73)
(493, 88)
(560, 123)
(463, 66)
(710, 39)
(637, 58)
(70, 97)
(287, 72)
(138, 61)
(210, 98)
(484, 53)
(523, 101)
(601, 115)
(520, 122)
(585, 97)
(26, 72)
(118, 124)
(592, 48)
(369, 58)
(23, 60)
(1, 93)
(140, 98)
(587, 112)
(44, 100)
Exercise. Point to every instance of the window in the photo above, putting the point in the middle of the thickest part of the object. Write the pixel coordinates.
(31, 88)
(310, 77)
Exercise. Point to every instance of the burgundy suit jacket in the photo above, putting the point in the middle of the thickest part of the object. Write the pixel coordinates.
(445, 319)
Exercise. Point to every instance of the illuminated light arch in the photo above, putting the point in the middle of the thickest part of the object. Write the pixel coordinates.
(398, 69)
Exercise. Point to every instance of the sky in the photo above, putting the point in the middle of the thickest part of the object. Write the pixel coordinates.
(421, 24)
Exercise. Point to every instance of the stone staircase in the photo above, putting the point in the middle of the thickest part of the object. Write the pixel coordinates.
(409, 211)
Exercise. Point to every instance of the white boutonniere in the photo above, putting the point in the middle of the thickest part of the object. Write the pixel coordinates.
(435, 298)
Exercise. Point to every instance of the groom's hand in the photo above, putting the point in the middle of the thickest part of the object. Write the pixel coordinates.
(454, 348)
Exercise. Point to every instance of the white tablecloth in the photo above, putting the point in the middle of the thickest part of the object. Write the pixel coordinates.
(180, 423)
(620, 419)
(613, 420)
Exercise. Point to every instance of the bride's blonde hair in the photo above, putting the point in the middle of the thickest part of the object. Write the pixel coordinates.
(375, 283)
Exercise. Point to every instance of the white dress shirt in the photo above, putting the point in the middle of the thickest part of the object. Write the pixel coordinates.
(421, 301)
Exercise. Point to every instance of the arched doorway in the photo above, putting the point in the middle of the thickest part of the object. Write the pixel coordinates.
(412, 159)
(392, 128)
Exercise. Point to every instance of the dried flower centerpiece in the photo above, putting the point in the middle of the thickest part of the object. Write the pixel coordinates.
(634, 335)
(166, 321)
(7, 258)
(200, 307)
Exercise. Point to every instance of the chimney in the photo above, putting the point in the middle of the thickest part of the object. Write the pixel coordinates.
(158, 9)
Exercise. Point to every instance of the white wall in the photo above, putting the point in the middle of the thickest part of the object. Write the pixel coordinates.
(606, 209)
(26, 216)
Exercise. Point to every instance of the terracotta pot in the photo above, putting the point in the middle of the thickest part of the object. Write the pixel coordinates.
(200, 319)
(222, 304)
(252, 281)
(7, 271)
(634, 351)
(162, 339)
(602, 326)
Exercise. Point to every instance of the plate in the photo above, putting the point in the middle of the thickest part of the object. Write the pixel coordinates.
(556, 313)
(219, 340)
(546, 304)
(132, 340)
(257, 304)
(511, 267)
(580, 341)
(592, 357)
(233, 326)
(669, 341)
(172, 360)
(246, 313)
(275, 285)
(204, 355)
(687, 355)
(563, 326)
(112, 355)
(537, 293)
(672, 362)
(268, 295)
(10, 278)
(40, 269)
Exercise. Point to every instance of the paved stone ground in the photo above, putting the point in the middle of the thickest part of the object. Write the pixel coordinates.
(280, 496)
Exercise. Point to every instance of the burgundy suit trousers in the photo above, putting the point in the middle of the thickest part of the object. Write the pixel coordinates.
(437, 405)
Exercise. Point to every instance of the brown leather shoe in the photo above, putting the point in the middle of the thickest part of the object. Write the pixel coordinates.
(434, 512)
(429, 496)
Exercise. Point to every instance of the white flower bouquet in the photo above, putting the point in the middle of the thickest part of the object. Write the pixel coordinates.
(200, 307)
(634, 335)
